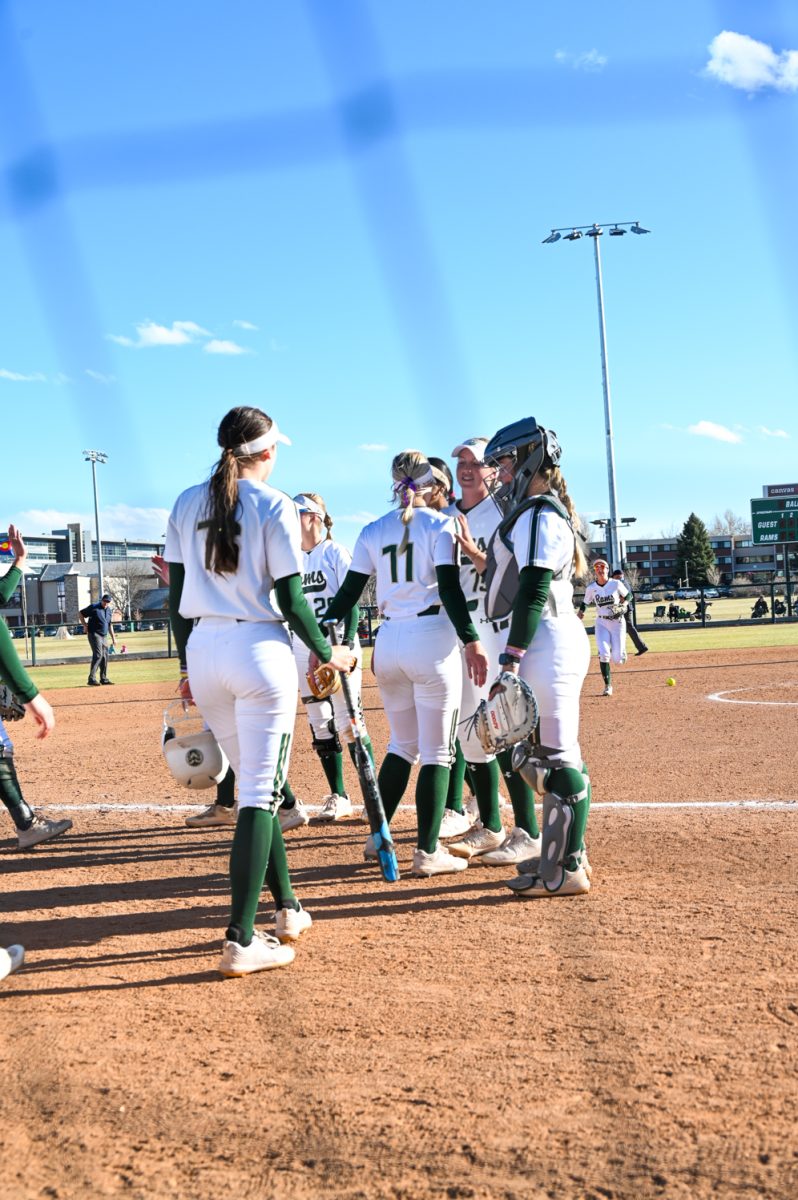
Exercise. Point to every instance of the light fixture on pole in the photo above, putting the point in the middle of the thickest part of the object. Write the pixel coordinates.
(617, 229)
(94, 457)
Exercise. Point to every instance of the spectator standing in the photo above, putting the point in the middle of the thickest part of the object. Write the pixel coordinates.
(96, 620)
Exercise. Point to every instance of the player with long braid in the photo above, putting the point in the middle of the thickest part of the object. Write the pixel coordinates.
(413, 553)
(546, 644)
(231, 542)
(326, 563)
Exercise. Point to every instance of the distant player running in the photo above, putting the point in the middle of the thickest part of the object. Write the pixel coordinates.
(610, 597)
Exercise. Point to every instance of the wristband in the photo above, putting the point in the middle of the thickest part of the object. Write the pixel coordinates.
(508, 658)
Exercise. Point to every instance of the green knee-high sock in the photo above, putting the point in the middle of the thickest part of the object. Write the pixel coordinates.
(10, 793)
(333, 764)
(486, 779)
(368, 747)
(392, 781)
(605, 672)
(567, 781)
(226, 790)
(278, 880)
(289, 799)
(454, 794)
(249, 858)
(430, 802)
(522, 797)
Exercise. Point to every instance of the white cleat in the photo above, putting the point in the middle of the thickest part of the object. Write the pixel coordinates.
(370, 850)
(454, 823)
(263, 953)
(41, 830)
(529, 887)
(334, 808)
(291, 924)
(292, 818)
(11, 960)
(472, 809)
(517, 846)
(608, 690)
(440, 862)
(531, 866)
(477, 841)
(214, 816)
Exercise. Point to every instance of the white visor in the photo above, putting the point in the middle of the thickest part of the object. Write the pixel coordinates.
(305, 504)
(264, 442)
(476, 445)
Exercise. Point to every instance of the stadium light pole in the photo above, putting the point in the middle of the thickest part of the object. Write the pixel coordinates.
(573, 234)
(94, 457)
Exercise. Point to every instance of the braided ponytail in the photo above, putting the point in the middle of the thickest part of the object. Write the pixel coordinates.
(554, 480)
(237, 427)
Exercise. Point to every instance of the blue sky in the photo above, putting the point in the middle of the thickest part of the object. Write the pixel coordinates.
(334, 210)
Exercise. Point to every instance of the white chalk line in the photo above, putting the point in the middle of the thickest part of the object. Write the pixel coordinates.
(723, 697)
(609, 805)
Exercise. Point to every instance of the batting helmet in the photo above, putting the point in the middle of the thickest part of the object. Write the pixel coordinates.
(192, 753)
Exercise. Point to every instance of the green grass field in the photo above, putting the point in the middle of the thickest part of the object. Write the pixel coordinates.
(666, 639)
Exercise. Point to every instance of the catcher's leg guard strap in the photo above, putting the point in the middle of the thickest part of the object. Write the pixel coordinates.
(20, 812)
(566, 787)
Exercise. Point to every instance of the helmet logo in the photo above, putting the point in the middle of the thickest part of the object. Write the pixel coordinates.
(194, 757)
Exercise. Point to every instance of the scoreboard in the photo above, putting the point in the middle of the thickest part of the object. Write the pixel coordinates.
(774, 520)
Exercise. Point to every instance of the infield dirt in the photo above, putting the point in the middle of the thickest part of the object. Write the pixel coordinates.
(434, 1038)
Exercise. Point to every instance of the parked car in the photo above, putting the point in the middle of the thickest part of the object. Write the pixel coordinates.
(711, 593)
(645, 596)
(687, 593)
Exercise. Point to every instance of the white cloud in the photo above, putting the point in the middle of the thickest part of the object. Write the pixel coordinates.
(218, 346)
(588, 60)
(246, 325)
(15, 377)
(179, 333)
(744, 63)
(117, 521)
(358, 518)
(710, 429)
(373, 447)
(98, 376)
(776, 433)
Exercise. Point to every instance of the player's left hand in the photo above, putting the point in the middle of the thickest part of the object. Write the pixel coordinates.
(161, 568)
(467, 544)
(477, 663)
(184, 689)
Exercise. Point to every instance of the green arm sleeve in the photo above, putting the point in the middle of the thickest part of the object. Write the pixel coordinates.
(12, 671)
(9, 584)
(455, 603)
(533, 590)
(346, 597)
(350, 629)
(181, 626)
(299, 616)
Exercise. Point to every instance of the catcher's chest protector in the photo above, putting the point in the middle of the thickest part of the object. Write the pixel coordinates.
(501, 570)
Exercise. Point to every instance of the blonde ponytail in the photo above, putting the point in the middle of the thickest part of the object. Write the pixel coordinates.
(411, 475)
(554, 480)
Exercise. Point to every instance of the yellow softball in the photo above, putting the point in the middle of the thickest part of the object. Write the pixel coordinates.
(671, 682)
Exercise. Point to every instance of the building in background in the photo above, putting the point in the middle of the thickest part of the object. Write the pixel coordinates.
(658, 566)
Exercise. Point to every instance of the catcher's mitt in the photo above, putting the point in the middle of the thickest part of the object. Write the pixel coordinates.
(11, 708)
(508, 716)
(323, 681)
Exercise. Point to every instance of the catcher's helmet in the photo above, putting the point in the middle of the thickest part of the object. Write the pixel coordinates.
(531, 447)
(192, 753)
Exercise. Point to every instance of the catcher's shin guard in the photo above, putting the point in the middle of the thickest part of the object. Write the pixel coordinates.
(565, 787)
(11, 794)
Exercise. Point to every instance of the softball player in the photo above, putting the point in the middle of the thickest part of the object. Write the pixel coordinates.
(325, 566)
(477, 516)
(229, 542)
(413, 553)
(610, 599)
(548, 646)
(31, 829)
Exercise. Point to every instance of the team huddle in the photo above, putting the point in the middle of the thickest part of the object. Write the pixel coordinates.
(479, 659)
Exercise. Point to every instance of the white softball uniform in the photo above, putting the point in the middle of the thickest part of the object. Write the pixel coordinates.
(482, 521)
(415, 659)
(609, 600)
(557, 660)
(240, 664)
(324, 570)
